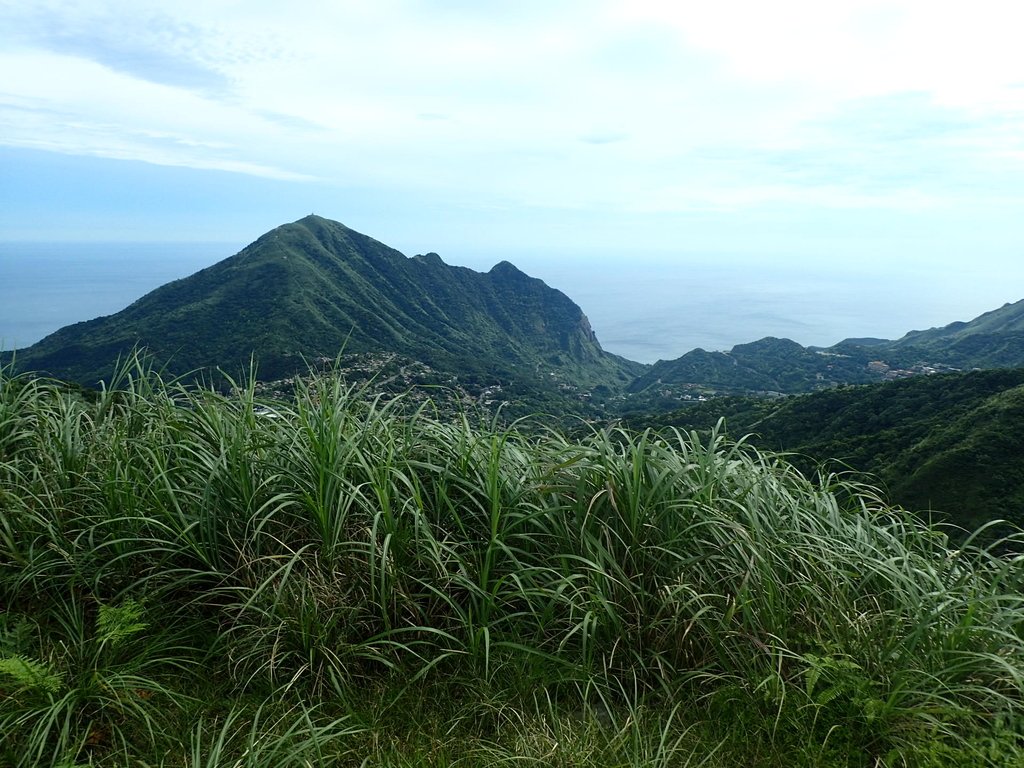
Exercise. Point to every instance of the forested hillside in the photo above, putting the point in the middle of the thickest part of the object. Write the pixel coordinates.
(949, 443)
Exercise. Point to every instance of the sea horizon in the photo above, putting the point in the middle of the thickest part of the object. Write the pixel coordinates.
(649, 309)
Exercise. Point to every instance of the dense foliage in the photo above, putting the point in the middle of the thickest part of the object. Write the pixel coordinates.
(948, 445)
(189, 579)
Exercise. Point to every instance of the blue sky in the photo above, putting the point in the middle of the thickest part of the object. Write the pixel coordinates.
(868, 134)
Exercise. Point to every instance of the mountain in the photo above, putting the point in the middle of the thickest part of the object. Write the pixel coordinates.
(1007, 319)
(948, 443)
(313, 288)
(993, 340)
(770, 365)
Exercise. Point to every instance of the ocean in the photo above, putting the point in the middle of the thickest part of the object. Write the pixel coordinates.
(45, 286)
(645, 310)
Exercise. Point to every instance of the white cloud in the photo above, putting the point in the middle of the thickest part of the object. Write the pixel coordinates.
(960, 52)
(620, 105)
(76, 106)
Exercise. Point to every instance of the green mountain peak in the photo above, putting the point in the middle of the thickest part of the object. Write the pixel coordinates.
(314, 287)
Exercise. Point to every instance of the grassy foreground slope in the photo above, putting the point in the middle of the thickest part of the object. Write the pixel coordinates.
(191, 580)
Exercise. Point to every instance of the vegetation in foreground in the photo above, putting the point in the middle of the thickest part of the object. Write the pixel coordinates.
(193, 580)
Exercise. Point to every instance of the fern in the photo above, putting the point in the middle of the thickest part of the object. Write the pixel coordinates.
(840, 675)
(30, 674)
(117, 623)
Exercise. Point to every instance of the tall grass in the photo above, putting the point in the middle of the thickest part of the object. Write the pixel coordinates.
(177, 565)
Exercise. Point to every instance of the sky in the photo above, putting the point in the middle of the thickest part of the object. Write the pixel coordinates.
(873, 136)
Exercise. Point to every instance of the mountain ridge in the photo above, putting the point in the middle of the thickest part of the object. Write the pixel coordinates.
(313, 288)
(994, 339)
